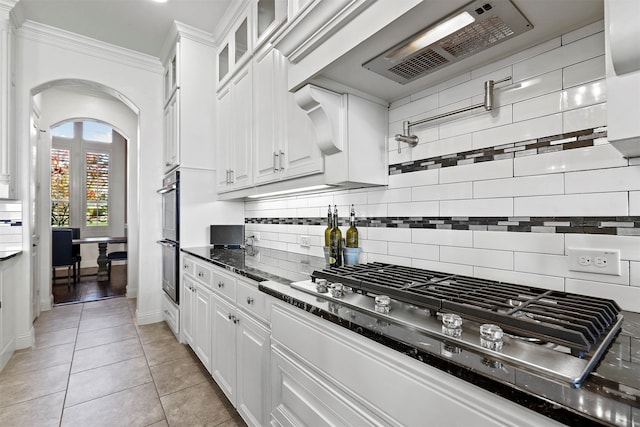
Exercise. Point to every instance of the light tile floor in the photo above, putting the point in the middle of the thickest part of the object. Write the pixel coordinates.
(93, 366)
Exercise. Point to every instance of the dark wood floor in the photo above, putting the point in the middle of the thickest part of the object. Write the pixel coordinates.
(87, 288)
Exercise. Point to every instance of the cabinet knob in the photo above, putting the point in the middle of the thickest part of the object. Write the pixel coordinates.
(236, 320)
(221, 284)
(230, 316)
(200, 274)
(186, 267)
(249, 300)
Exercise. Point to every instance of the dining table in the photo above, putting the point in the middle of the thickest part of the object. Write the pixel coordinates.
(103, 243)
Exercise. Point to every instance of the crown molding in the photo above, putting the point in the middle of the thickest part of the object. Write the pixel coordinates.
(231, 15)
(7, 4)
(53, 36)
(179, 30)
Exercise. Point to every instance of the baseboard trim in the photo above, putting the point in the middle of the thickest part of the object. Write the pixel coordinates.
(148, 318)
(26, 340)
(6, 353)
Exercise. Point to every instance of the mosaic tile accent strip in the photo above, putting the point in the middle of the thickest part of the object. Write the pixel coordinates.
(547, 144)
(621, 226)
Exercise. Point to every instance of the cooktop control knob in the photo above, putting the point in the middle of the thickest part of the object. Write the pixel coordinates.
(452, 325)
(336, 290)
(321, 286)
(383, 304)
(491, 336)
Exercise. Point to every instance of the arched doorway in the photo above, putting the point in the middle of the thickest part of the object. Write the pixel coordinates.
(73, 101)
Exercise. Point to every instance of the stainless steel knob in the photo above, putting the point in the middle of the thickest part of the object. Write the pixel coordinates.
(221, 284)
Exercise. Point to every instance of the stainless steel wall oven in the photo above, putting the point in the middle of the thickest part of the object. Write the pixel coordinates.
(170, 241)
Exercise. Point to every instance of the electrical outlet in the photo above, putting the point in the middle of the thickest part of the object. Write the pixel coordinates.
(256, 236)
(600, 261)
(305, 241)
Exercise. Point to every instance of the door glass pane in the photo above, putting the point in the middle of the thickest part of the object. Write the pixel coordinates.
(97, 184)
(223, 62)
(241, 40)
(266, 15)
(60, 163)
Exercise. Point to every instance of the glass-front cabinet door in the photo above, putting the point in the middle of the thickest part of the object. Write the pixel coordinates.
(269, 15)
(223, 62)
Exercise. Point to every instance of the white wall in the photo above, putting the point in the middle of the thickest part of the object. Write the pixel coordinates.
(558, 87)
(46, 55)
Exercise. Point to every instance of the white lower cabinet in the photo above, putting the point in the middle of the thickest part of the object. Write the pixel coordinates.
(196, 312)
(325, 375)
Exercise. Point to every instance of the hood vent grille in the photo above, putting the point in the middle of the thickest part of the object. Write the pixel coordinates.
(494, 22)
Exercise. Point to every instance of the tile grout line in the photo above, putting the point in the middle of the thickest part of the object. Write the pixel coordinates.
(66, 389)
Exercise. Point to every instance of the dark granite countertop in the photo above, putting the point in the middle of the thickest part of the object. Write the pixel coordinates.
(261, 264)
(5, 255)
(609, 396)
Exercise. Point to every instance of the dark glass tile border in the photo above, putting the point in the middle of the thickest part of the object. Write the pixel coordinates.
(611, 225)
(547, 144)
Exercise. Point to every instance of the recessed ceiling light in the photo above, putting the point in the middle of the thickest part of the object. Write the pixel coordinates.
(159, 1)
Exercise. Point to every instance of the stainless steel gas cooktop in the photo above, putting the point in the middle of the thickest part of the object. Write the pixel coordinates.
(556, 334)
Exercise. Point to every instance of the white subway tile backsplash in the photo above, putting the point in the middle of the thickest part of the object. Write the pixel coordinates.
(536, 185)
(518, 57)
(413, 108)
(374, 246)
(603, 180)
(540, 106)
(464, 77)
(457, 190)
(477, 171)
(520, 131)
(477, 207)
(414, 250)
(545, 243)
(388, 195)
(634, 273)
(425, 177)
(355, 197)
(389, 234)
(592, 204)
(455, 144)
(530, 88)
(372, 210)
(445, 267)
(580, 33)
(581, 50)
(583, 72)
(481, 120)
(627, 297)
(388, 259)
(629, 246)
(634, 203)
(596, 157)
(557, 265)
(470, 88)
(461, 238)
(536, 280)
(502, 260)
(591, 116)
(414, 209)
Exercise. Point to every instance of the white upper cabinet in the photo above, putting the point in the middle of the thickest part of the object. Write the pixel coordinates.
(236, 47)
(268, 15)
(189, 133)
(284, 138)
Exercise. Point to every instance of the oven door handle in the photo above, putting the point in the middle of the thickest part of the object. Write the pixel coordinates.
(167, 188)
(167, 243)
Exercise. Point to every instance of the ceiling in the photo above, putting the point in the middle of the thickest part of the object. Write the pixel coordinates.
(140, 25)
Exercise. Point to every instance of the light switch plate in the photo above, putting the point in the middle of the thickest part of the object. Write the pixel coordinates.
(598, 261)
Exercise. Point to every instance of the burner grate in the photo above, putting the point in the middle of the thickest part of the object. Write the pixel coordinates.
(575, 321)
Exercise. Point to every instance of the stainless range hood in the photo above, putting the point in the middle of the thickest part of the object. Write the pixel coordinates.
(477, 26)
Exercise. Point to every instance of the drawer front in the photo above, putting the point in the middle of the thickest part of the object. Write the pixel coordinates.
(224, 284)
(188, 266)
(171, 315)
(249, 298)
(203, 274)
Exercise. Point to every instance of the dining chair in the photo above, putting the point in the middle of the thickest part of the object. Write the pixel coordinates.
(114, 256)
(62, 251)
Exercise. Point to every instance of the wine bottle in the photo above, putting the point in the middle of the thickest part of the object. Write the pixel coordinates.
(335, 246)
(352, 232)
(327, 231)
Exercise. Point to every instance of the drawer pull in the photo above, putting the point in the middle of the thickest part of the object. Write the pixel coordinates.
(221, 284)
(249, 300)
(186, 267)
(200, 274)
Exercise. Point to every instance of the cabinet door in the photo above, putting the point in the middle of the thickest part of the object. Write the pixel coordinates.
(171, 132)
(224, 141)
(301, 153)
(241, 172)
(202, 322)
(223, 343)
(186, 309)
(268, 16)
(253, 373)
(266, 111)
